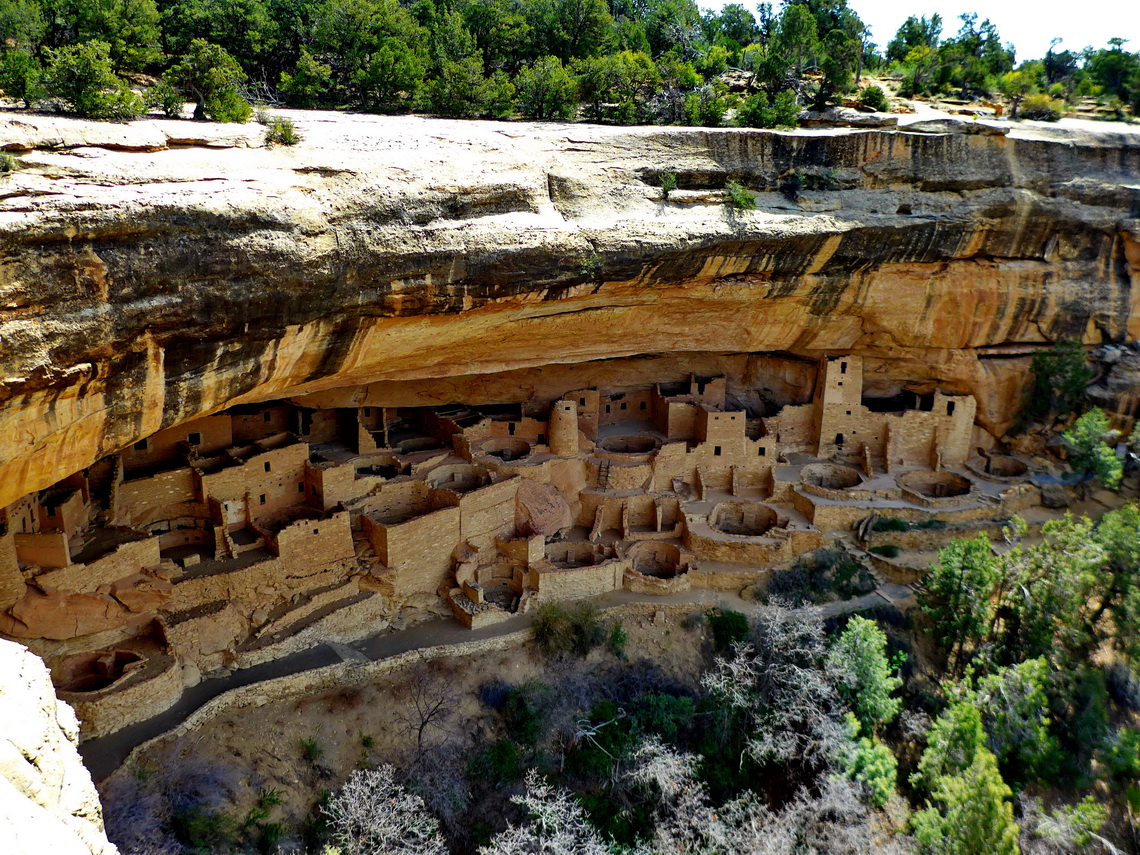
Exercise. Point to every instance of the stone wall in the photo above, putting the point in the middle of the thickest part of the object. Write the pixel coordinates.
(142, 501)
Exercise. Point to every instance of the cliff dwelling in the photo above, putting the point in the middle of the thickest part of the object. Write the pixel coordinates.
(234, 538)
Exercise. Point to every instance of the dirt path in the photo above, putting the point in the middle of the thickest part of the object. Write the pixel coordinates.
(105, 754)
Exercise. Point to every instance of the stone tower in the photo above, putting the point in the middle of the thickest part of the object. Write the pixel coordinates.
(564, 429)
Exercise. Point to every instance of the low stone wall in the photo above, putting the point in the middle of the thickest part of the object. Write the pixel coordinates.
(114, 708)
(897, 573)
(639, 583)
(353, 673)
(575, 583)
(724, 578)
(772, 548)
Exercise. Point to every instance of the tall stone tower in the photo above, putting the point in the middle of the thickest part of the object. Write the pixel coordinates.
(839, 405)
(564, 429)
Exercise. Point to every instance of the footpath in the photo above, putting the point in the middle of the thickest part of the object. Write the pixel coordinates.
(105, 754)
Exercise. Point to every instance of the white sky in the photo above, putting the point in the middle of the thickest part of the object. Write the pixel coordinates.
(1028, 24)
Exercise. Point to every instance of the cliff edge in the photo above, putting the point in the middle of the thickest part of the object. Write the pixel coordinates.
(164, 270)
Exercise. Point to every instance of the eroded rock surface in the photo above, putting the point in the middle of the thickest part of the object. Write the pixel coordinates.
(146, 282)
(47, 801)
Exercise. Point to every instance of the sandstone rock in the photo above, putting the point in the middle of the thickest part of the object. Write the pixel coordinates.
(839, 117)
(148, 287)
(540, 509)
(1055, 496)
(27, 131)
(950, 125)
(47, 801)
(61, 614)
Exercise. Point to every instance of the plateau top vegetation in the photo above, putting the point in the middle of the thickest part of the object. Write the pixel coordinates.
(624, 61)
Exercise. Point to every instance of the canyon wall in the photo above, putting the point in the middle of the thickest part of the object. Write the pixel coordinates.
(160, 271)
(47, 800)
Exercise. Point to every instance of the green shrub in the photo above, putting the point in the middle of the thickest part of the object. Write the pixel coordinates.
(281, 131)
(728, 628)
(1042, 108)
(311, 750)
(887, 550)
(559, 629)
(162, 96)
(525, 711)
(618, 640)
(21, 76)
(8, 164)
(757, 112)
(935, 525)
(1122, 759)
(874, 99)
(310, 79)
(891, 524)
(498, 763)
(740, 197)
(668, 184)
(212, 77)
(81, 76)
(203, 829)
(590, 266)
(873, 766)
(546, 90)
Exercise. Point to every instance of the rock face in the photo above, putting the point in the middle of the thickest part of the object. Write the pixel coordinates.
(151, 275)
(47, 801)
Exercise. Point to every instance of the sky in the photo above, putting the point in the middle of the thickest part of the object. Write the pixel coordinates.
(1029, 24)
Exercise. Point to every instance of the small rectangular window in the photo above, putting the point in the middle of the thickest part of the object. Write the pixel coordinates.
(842, 367)
(581, 402)
(848, 412)
(316, 531)
(716, 450)
(607, 408)
(840, 382)
(541, 438)
(300, 486)
(367, 412)
(141, 445)
(313, 490)
(643, 405)
(761, 452)
(194, 438)
(266, 464)
(949, 408)
(266, 416)
(261, 499)
(511, 428)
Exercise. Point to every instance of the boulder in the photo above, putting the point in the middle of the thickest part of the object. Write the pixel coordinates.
(540, 509)
(48, 803)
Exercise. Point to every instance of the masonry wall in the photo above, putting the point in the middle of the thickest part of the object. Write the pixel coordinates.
(47, 549)
(323, 540)
(268, 421)
(270, 492)
(215, 432)
(160, 497)
(68, 516)
(126, 560)
(11, 579)
(419, 550)
(488, 512)
(579, 582)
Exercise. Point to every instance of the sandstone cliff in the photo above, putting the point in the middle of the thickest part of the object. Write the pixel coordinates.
(47, 801)
(156, 272)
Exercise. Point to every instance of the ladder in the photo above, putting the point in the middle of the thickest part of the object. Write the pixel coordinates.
(603, 480)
